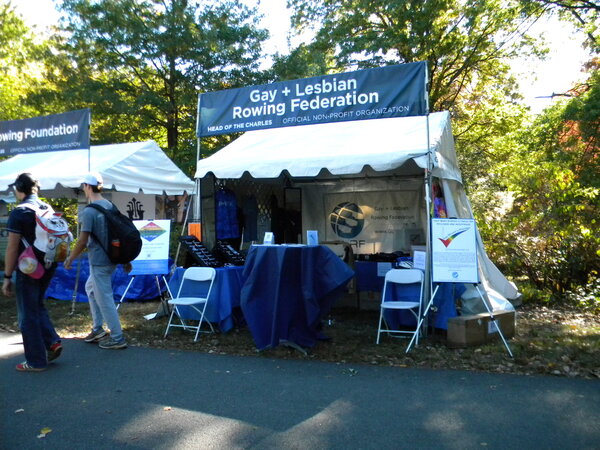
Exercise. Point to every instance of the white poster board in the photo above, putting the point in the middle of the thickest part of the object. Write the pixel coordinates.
(154, 257)
(269, 238)
(419, 260)
(454, 251)
(382, 221)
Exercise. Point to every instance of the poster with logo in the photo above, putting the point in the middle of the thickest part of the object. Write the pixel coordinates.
(454, 251)
(135, 206)
(385, 221)
(154, 257)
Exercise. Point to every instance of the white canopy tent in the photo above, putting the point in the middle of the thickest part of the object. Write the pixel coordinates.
(343, 148)
(138, 167)
(378, 154)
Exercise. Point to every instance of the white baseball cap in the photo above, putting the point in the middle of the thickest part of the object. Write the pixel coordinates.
(93, 179)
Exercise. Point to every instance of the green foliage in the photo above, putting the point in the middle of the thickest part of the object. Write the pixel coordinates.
(586, 297)
(552, 234)
(18, 56)
(467, 44)
(306, 60)
(140, 65)
(584, 14)
(534, 295)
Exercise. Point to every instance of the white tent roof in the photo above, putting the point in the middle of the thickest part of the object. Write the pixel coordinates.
(343, 148)
(133, 167)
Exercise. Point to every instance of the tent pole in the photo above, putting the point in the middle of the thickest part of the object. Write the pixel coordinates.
(197, 197)
(183, 230)
(428, 175)
(428, 277)
(196, 205)
(89, 146)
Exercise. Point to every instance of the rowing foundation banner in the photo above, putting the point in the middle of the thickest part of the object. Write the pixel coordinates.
(390, 91)
(67, 131)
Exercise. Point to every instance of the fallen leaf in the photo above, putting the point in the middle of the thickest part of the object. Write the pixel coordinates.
(167, 408)
(20, 410)
(44, 432)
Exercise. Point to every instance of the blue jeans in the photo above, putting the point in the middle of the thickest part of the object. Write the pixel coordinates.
(98, 288)
(34, 322)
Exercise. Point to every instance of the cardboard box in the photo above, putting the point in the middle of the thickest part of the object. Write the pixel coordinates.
(477, 329)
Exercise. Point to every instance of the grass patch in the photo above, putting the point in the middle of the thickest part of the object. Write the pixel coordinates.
(552, 341)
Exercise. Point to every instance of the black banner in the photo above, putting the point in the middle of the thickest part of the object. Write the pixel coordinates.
(390, 91)
(67, 131)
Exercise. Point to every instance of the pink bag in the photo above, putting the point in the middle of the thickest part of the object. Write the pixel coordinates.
(29, 264)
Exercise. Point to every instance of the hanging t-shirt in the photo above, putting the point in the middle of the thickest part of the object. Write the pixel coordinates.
(250, 211)
(227, 226)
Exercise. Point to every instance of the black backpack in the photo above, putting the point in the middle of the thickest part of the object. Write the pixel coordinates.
(124, 240)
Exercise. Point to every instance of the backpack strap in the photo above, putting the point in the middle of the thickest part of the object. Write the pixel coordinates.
(37, 207)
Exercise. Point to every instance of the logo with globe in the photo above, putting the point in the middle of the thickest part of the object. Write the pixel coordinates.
(347, 220)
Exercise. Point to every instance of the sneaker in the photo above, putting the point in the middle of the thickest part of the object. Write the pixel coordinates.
(112, 343)
(54, 351)
(25, 367)
(95, 336)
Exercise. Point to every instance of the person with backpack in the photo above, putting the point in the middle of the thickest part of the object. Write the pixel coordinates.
(94, 235)
(40, 340)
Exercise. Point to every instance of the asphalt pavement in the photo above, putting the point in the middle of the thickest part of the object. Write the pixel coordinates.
(142, 398)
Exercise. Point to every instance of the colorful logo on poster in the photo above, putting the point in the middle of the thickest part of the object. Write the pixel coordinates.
(347, 220)
(151, 231)
(448, 239)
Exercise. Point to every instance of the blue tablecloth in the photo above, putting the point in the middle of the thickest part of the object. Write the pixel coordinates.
(366, 277)
(224, 297)
(287, 290)
(444, 301)
(63, 283)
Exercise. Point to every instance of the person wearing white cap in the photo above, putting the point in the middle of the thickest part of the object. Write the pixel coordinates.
(40, 340)
(94, 236)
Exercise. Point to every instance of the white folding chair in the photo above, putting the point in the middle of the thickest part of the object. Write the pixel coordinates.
(206, 274)
(401, 277)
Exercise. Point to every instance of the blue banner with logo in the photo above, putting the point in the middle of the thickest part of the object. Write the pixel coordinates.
(66, 131)
(391, 91)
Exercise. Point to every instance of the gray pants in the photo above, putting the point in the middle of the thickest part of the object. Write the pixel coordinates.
(102, 303)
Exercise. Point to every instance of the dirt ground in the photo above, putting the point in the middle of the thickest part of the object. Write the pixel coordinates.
(559, 342)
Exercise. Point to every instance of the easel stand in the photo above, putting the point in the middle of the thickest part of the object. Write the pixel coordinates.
(485, 303)
(422, 319)
(164, 308)
(493, 319)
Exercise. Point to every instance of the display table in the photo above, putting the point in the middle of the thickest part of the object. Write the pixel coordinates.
(224, 297)
(368, 279)
(288, 289)
(63, 283)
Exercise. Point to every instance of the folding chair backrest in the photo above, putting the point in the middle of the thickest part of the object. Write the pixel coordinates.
(198, 274)
(404, 276)
(401, 298)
